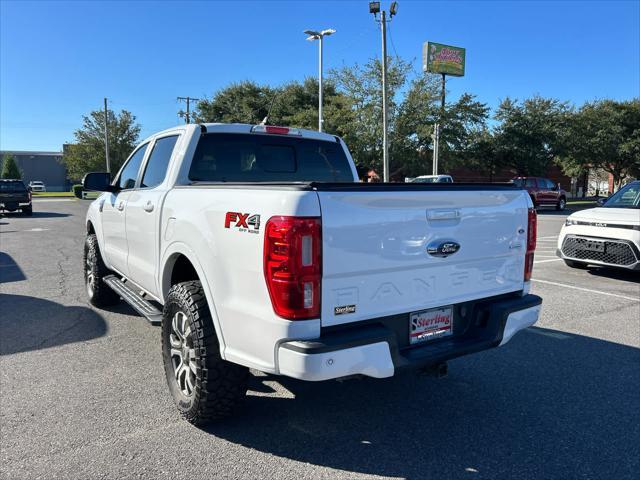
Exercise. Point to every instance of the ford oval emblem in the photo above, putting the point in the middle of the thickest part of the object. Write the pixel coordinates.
(442, 249)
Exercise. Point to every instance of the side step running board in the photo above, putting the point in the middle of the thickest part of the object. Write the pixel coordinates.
(133, 298)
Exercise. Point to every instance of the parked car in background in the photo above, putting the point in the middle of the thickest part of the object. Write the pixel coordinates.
(37, 186)
(15, 196)
(608, 235)
(433, 179)
(543, 192)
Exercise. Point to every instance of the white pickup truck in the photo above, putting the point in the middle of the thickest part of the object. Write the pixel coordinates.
(255, 247)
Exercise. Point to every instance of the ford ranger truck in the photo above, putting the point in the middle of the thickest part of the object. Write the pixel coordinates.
(256, 247)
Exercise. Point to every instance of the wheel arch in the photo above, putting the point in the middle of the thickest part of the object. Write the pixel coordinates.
(180, 264)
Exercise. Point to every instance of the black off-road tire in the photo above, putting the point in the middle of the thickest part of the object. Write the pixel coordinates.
(219, 387)
(99, 293)
(28, 211)
(574, 264)
(562, 203)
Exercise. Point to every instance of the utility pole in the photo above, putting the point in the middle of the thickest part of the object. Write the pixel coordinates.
(374, 8)
(106, 135)
(319, 35)
(187, 115)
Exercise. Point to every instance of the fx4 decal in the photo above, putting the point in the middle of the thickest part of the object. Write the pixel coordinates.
(244, 222)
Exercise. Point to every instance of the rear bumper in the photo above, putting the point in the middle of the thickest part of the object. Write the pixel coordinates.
(14, 205)
(374, 349)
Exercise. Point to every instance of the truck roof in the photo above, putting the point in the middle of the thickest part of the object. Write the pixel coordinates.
(247, 128)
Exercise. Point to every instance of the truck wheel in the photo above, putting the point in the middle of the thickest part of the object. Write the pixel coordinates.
(99, 293)
(28, 211)
(574, 264)
(561, 204)
(204, 387)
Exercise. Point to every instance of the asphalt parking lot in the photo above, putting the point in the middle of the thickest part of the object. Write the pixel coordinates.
(83, 395)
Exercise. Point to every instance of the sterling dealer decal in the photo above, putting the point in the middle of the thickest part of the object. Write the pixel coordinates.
(344, 309)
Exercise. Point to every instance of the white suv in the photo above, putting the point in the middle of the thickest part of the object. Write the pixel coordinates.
(37, 186)
(608, 235)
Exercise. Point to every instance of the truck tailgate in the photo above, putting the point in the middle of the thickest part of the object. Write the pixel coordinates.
(375, 242)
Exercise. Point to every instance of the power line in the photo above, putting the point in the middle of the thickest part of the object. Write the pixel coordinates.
(187, 115)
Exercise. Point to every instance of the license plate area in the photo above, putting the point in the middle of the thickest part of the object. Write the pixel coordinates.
(594, 246)
(427, 325)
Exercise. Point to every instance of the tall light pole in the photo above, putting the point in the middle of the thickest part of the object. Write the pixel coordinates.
(314, 35)
(374, 8)
(106, 135)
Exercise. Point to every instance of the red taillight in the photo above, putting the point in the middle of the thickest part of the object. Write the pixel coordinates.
(532, 234)
(293, 266)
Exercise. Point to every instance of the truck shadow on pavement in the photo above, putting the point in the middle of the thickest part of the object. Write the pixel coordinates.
(547, 405)
(10, 271)
(29, 323)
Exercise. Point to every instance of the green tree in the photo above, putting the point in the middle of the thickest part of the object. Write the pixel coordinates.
(10, 167)
(244, 102)
(604, 134)
(361, 128)
(461, 123)
(294, 104)
(88, 153)
(530, 133)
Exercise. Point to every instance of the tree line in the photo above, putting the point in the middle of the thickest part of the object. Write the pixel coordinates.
(523, 136)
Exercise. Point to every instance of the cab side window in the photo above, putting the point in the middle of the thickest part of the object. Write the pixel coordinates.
(158, 162)
(129, 173)
(531, 183)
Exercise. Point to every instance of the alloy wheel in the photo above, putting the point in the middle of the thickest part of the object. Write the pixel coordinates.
(182, 353)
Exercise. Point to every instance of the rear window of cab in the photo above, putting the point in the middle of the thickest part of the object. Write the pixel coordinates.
(13, 186)
(233, 157)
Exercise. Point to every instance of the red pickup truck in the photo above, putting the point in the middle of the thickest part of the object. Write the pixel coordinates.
(544, 193)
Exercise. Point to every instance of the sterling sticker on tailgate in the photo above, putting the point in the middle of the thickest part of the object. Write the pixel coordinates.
(430, 324)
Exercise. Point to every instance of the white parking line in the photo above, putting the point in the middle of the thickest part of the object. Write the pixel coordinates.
(583, 289)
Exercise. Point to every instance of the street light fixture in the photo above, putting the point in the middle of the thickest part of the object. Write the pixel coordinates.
(315, 35)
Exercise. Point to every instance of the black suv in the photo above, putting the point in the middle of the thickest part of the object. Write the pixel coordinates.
(15, 196)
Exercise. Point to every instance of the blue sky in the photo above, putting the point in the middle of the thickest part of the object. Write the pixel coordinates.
(59, 59)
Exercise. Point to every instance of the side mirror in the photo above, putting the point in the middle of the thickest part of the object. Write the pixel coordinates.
(98, 182)
(601, 201)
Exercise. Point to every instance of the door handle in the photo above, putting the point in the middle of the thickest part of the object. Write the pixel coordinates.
(121, 206)
(148, 206)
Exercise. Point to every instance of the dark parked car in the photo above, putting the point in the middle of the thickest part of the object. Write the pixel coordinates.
(15, 196)
(544, 193)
